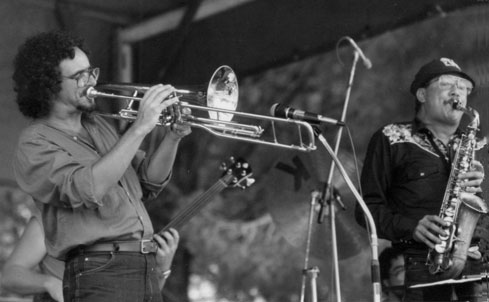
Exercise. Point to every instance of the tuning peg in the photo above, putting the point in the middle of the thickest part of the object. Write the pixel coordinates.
(250, 181)
(230, 162)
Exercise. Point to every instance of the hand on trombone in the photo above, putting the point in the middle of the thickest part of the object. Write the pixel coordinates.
(179, 130)
(157, 99)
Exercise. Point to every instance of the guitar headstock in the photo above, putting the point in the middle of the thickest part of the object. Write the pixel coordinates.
(237, 173)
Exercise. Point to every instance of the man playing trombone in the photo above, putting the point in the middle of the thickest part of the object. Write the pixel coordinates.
(89, 182)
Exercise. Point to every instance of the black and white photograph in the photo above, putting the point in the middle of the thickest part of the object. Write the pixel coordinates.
(244, 151)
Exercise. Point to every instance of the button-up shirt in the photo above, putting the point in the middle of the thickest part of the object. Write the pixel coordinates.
(404, 178)
(55, 168)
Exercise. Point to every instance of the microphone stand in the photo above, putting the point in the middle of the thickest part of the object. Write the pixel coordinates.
(310, 273)
(373, 230)
(329, 195)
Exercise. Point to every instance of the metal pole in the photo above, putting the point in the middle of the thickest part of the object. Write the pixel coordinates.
(328, 190)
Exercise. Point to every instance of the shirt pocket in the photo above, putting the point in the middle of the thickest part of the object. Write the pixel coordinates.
(418, 172)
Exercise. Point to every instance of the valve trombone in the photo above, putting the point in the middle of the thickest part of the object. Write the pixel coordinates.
(221, 101)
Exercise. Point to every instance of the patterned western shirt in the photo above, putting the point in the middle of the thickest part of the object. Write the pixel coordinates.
(404, 177)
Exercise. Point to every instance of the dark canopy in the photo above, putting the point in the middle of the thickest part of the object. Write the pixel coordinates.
(196, 36)
(258, 35)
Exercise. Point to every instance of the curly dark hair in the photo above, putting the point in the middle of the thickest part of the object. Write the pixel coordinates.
(37, 77)
(385, 258)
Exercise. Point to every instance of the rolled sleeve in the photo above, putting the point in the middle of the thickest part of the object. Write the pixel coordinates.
(150, 189)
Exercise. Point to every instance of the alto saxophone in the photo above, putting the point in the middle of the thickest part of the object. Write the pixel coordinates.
(460, 209)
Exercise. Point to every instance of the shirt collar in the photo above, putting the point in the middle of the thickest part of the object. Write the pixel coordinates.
(419, 127)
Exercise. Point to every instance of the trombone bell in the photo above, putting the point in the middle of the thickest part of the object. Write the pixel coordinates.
(223, 93)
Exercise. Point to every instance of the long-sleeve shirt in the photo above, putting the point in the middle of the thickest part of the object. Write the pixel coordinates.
(404, 178)
(49, 265)
(55, 168)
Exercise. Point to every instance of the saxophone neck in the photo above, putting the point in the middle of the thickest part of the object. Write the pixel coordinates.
(471, 112)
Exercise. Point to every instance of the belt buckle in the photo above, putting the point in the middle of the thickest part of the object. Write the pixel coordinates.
(147, 248)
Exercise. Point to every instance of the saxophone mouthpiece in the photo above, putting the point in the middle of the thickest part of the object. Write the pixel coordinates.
(455, 103)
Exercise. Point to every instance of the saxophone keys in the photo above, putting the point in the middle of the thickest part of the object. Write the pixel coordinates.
(445, 236)
(447, 264)
(450, 212)
(441, 247)
(448, 219)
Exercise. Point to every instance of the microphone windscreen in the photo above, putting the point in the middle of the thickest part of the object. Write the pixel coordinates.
(277, 110)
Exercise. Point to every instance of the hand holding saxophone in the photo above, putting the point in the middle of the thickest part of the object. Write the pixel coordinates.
(471, 181)
(428, 230)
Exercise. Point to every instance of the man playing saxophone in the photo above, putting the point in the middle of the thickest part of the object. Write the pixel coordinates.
(405, 175)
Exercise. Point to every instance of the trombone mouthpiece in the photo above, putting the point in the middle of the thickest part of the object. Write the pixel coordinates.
(90, 92)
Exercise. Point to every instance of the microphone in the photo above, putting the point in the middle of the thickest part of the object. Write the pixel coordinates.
(366, 61)
(279, 110)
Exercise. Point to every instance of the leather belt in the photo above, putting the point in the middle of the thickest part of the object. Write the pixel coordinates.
(142, 246)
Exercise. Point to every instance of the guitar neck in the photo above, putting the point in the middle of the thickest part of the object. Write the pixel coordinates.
(184, 215)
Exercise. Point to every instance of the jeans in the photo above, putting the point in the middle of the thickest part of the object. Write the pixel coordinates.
(111, 276)
(417, 273)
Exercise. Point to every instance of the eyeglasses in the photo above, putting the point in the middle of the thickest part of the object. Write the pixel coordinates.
(447, 82)
(83, 77)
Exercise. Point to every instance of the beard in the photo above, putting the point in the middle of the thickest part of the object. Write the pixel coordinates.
(87, 108)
